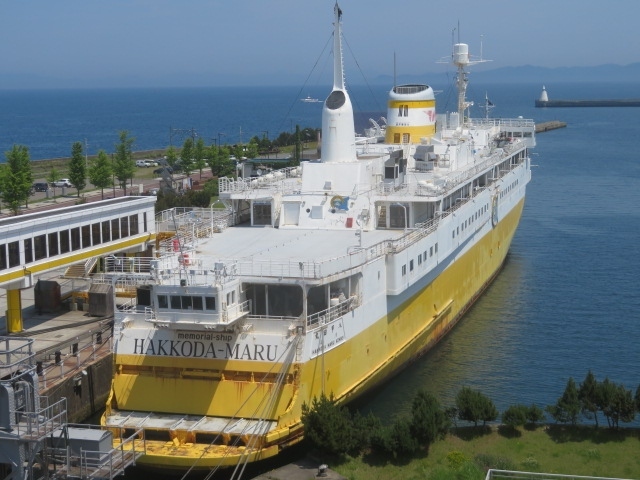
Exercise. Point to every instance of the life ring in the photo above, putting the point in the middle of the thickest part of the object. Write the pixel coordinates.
(336, 201)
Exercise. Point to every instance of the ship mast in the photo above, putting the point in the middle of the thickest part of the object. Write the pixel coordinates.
(338, 131)
(461, 60)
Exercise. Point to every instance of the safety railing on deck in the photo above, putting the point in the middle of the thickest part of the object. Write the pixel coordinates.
(40, 423)
(318, 319)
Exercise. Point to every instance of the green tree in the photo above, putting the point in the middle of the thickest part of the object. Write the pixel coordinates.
(124, 167)
(535, 414)
(51, 178)
(327, 426)
(567, 408)
(252, 149)
(637, 398)
(515, 416)
(588, 395)
(623, 407)
(77, 168)
(186, 156)
(428, 421)
(100, 172)
(474, 406)
(199, 153)
(16, 178)
(605, 395)
(171, 155)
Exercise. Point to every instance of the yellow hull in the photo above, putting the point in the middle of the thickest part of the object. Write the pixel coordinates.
(150, 383)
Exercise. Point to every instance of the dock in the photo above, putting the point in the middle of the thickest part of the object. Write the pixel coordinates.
(551, 125)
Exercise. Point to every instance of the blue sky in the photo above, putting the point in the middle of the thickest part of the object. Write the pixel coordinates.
(262, 42)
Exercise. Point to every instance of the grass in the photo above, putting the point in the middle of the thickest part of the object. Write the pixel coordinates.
(467, 453)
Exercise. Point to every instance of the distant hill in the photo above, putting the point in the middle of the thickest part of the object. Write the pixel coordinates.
(530, 74)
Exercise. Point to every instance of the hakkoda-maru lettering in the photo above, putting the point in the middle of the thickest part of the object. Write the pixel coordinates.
(196, 349)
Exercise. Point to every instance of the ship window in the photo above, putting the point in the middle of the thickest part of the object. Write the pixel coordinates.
(420, 259)
(86, 236)
(210, 303)
(14, 254)
(436, 247)
(115, 229)
(133, 224)
(176, 303)
(3, 256)
(95, 233)
(106, 231)
(431, 251)
(453, 234)
(186, 302)
(40, 246)
(396, 138)
(163, 301)
(425, 255)
(196, 303)
(411, 265)
(404, 270)
(124, 226)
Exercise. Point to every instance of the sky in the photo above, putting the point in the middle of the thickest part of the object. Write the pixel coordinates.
(91, 43)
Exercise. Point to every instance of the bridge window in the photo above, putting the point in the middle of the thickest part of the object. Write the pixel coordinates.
(53, 244)
(133, 224)
(115, 229)
(210, 303)
(163, 301)
(86, 236)
(95, 233)
(64, 241)
(106, 231)
(14, 254)
(196, 303)
(28, 250)
(3, 256)
(124, 227)
(75, 238)
(40, 246)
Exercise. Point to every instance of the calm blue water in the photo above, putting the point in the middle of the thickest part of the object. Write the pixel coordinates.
(567, 300)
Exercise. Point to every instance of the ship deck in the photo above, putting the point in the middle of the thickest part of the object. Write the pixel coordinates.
(244, 242)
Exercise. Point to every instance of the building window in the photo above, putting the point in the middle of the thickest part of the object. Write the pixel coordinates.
(14, 254)
(28, 250)
(53, 244)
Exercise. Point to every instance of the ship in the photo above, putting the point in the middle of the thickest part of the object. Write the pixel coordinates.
(324, 278)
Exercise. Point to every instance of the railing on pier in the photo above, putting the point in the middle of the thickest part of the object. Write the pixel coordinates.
(16, 354)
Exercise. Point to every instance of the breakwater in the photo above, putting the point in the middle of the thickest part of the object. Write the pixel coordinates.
(551, 125)
(588, 103)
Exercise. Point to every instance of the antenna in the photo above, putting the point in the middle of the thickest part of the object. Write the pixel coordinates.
(395, 83)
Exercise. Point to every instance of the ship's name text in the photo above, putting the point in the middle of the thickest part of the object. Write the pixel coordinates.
(198, 349)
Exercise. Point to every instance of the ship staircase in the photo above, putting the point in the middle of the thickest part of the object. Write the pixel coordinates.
(36, 442)
(81, 269)
(382, 216)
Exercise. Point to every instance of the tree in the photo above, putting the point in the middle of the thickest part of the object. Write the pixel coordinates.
(327, 426)
(515, 416)
(623, 407)
(16, 178)
(186, 156)
(51, 178)
(77, 167)
(171, 156)
(124, 166)
(199, 156)
(567, 408)
(474, 406)
(428, 421)
(588, 395)
(535, 414)
(100, 172)
(605, 395)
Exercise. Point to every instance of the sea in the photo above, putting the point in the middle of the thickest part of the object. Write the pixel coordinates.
(567, 300)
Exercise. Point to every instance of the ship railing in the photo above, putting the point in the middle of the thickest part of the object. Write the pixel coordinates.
(226, 316)
(321, 318)
(269, 180)
(41, 422)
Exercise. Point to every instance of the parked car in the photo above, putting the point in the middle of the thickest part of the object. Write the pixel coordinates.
(141, 163)
(40, 187)
(63, 182)
(151, 163)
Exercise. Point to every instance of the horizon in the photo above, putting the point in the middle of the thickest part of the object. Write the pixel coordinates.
(214, 43)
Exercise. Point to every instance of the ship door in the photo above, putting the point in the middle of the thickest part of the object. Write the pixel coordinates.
(261, 213)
